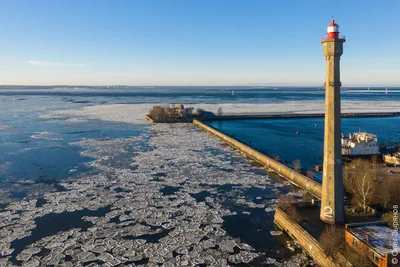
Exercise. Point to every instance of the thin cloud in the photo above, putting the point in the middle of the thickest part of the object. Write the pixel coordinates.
(54, 64)
(112, 74)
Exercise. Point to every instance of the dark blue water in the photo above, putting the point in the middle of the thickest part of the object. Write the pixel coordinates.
(40, 148)
(52, 223)
(198, 94)
(44, 150)
(278, 136)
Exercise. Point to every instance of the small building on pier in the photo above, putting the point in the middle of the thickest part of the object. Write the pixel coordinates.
(374, 240)
(181, 111)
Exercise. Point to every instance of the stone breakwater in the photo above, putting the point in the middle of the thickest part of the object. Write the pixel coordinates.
(305, 240)
(310, 244)
(158, 199)
(298, 179)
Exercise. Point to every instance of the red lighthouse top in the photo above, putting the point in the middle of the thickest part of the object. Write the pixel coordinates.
(333, 23)
(333, 30)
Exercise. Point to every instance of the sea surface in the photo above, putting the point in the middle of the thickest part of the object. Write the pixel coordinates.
(197, 94)
(279, 136)
(52, 138)
(33, 146)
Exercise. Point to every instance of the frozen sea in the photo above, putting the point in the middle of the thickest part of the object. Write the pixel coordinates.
(85, 180)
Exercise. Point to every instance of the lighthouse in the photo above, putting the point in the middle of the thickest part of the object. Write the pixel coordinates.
(332, 199)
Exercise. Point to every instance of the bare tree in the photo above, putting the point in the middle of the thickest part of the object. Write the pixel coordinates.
(308, 198)
(297, 165)
(348, 174)
(334, 243)
(332, 239)
(374, 161)
(168, 112)
(362, 182)
(199, 112)
(288, 204)
(359, 257)
(294, 214)
(394, 185)
(310, 174)
(364, 188)
(219, 111)
(158, 113)
(385, 192)
(285, 201)
(163, 112)
(276, 157)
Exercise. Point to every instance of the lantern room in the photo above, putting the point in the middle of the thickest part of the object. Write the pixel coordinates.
(333, 30)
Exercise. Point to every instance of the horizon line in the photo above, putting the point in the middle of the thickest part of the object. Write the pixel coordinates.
(228, 85)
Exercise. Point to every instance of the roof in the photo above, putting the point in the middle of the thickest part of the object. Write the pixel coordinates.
(333, 23)
(378, 237)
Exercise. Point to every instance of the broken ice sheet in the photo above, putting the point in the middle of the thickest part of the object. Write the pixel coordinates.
(276, 232)
(143, 224)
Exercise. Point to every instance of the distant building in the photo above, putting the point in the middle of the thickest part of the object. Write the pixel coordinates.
(374, 240)
(181, 111)
(178, 113)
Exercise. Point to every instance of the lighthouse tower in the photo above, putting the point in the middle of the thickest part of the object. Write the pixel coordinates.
(332, 202)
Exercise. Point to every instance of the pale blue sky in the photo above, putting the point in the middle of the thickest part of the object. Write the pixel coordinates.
(188, 42)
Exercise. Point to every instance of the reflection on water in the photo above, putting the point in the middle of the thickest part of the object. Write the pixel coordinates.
(42, 149)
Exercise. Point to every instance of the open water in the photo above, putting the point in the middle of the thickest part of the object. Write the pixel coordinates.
(278, 136)
(33, 146)
(38, 148)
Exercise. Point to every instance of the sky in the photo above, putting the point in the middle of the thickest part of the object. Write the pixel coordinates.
(193, 42)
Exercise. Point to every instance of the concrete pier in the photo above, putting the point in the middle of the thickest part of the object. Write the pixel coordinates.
(313, 187)
(258, 116)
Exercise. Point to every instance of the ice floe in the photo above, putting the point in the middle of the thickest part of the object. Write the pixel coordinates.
(161, 202)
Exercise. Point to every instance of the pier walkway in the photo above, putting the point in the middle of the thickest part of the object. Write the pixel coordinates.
(250, 116)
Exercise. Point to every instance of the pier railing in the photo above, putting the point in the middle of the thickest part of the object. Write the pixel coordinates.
(313, 187)
(341, 37)
(288, 115)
